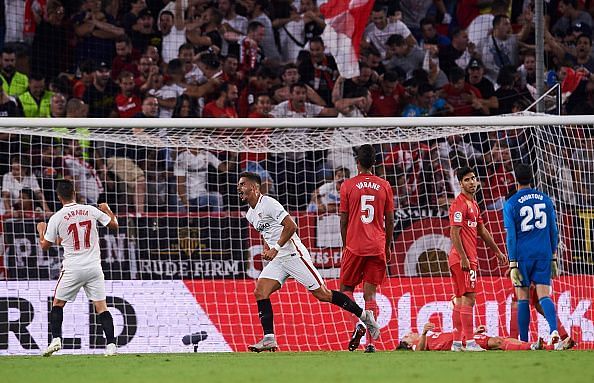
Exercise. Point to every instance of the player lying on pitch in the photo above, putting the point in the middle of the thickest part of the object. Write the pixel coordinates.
(442, 341)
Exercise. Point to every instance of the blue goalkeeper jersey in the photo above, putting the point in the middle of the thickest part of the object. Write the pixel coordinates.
(531, 225)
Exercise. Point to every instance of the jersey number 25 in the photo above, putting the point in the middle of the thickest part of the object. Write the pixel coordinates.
(534, 216)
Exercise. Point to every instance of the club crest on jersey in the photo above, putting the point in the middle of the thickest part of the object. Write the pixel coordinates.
(458, 217)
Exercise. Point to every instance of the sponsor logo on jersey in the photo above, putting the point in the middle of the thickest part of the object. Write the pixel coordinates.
(472, 223)
(458, 217)
(262, 226)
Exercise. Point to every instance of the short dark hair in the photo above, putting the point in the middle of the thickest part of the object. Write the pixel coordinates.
(345, 171)
(523, 174)
(254, 177)
(366, 156)
(65, 189)
(298, 84)
(316, 39)
(456, 74)
(463, 171)
(254, 25)
(403, 346)
(499, 19)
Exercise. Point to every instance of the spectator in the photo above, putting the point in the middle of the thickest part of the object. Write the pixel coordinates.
(57, 105)
(14, 83)
(326, 198)
(224, 105)
(527, 70)
(184, 107)
(231, 74)
(402, 55)
(429, 34)
(458, 53)
(36, 101)
(150, 108)
(482, 25)
(289, 28)
(318, 70)
(501, 48)
(297, 107)
(475, 73)
(570, 15)
(173, 29)
(76, 108)
(312, 18)
(233, 23)
(258, 13)
(126, 58)
(49, 52)
(501, 177)
(131, 17)
(100, 95)
(414, 11)
(17, 179)
(152, 51)
(251, 54)
(379, 30)
(127, 102)
(290, 75)
(204, 34)
(426, 104)
(87, 70)
(463, 97)
(143, 32)
(373, 59)
(170, 91)
(96, 31)
(262, 106)
(261, 83)
(388, 99)
(506, 93)
(192, 73)
(191, 170)
(583, 53)
(86, 180)
(9, 106)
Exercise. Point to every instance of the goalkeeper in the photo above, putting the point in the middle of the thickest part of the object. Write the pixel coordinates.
(532, 236)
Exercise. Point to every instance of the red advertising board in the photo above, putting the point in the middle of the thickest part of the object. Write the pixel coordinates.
(303, 324)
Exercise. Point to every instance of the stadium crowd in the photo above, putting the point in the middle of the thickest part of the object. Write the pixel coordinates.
(262, 58)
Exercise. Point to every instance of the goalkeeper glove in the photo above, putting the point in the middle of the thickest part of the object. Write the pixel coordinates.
(515, 274)
(554, 268)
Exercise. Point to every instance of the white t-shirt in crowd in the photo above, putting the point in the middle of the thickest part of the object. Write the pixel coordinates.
(195, 168)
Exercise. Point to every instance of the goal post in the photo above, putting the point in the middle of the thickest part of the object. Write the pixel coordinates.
(185, 260)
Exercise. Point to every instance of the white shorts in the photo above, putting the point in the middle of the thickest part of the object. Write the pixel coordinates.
(71, 281)
(299, 267)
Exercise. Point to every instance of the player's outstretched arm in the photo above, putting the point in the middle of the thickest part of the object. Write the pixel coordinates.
(113, 224)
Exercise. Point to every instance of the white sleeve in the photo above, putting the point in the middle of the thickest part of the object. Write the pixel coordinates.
(213, 160)
(51, 232)
(5, 183)
(313, 109)
(34, 184)
(402, 29)
(276, 111)
(100, 216)
(180, 168)
(275, 210)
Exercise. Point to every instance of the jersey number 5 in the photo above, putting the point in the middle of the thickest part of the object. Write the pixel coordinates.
(367, 208)
(73, 229)
(536, 214)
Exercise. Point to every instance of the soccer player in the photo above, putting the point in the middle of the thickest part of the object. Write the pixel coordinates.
(429, 340)
(531, 225)
(287, 257)
(75, 228)
(366, 227)
(465, 224)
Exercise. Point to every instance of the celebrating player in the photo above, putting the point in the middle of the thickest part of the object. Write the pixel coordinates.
(531, 225)
(366, 202)
(287, 257)
(429, 340)
(465, 224)
(75, 228)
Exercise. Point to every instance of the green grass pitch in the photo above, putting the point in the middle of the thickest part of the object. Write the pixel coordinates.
(308, 367)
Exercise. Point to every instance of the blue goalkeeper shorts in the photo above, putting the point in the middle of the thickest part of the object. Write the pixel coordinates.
(537, 271)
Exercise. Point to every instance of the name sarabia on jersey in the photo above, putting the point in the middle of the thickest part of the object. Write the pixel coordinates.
(74, 213)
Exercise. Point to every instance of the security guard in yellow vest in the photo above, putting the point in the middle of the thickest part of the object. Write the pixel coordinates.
(36, 101)
(14, 83)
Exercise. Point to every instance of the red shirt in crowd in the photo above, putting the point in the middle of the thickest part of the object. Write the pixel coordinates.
(387, 105)
(128, 106)
(460, 99)
(212, 110)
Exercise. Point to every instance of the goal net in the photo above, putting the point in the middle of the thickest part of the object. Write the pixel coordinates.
(184, 260)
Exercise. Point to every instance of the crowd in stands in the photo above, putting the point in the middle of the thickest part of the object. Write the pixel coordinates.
(263, 58)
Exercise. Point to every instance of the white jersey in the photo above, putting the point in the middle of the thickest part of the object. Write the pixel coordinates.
(266, 218)
(76, 225)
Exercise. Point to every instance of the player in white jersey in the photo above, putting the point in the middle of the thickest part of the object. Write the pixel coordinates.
(287, 257)
(75, 228)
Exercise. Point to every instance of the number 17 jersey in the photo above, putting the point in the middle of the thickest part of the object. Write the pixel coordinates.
(76, 225)
(366, 199)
